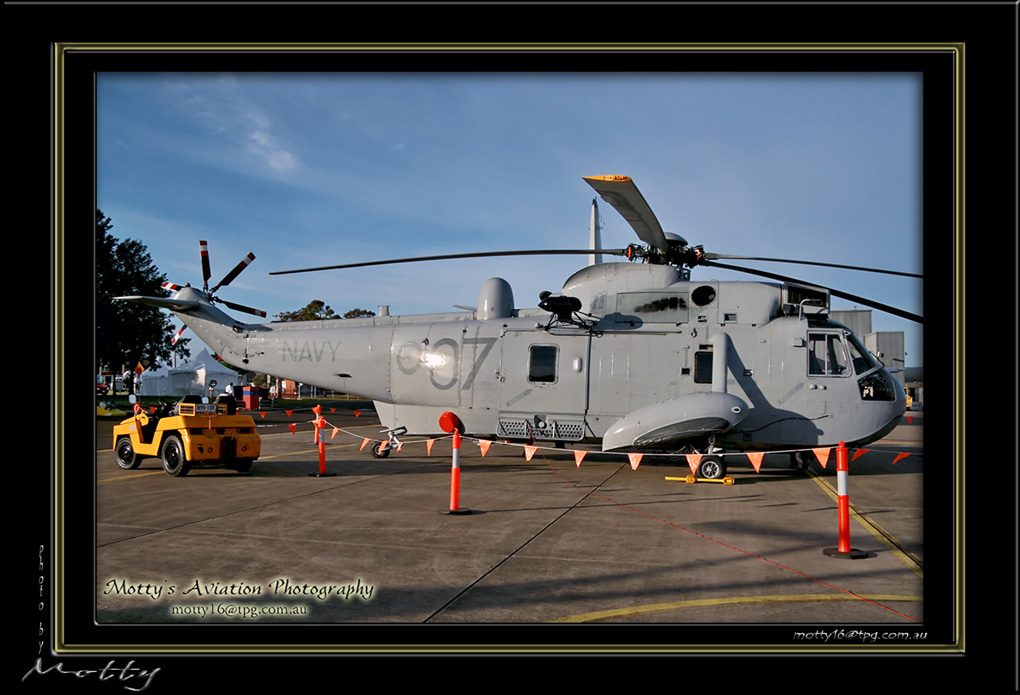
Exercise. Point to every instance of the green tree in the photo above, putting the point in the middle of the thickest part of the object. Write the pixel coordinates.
(128, 333)
(318, 311)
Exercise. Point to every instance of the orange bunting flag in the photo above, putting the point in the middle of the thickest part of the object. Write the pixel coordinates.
(529, 451)
(823, 455)
(484, 446)
(910, 419)
(859, 452)
(357, 413)
(364, 443)
(262, 415)
(317, 410)
(756, 457)
(428, 447)
(332, 410)
(293, 428)
(579, 456)
(899, 457)
(693, 460)
(289, 412)
(635, 460)
(333, 435)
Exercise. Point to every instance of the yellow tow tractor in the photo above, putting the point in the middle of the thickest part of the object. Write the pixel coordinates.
(188, 433)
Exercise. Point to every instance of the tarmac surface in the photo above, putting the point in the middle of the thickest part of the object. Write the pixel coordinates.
(540, 541)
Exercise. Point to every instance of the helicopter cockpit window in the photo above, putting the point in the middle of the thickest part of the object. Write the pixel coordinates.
(863, 360)
(542, 364)
(827, 355)
(654, 307)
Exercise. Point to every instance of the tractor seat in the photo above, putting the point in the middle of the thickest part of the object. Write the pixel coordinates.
(186, 399)
(230, 402)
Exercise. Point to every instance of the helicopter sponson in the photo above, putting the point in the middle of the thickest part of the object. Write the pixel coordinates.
(668, 424)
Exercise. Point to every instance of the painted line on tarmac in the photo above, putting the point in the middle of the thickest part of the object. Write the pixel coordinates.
(724, 544)
(702, 603)
(891, 543)
(260, 458)
(129, 477)
(306, 451)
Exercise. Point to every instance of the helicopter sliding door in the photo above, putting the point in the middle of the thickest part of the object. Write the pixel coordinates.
(543, 385)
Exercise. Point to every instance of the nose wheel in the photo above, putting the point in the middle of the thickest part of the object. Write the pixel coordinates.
(381, 450)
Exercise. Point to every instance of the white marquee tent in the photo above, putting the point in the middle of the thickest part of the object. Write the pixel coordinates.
(190, 379)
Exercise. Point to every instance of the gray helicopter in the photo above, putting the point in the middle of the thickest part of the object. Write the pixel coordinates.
(634, 355)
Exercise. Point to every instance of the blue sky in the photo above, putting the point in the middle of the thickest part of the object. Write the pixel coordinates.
(311, 170)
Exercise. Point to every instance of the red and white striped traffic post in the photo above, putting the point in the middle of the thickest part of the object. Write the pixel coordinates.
(319, 423)
(451, 423)
(843, 502)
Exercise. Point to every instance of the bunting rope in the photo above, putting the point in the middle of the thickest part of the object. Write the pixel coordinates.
(634, 459)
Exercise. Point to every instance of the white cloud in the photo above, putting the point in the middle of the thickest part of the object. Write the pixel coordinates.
(223, 109)
(262, 143)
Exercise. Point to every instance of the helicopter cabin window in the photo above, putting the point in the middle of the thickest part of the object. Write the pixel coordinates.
(827, 355)
(542, 364)
(703, 367)
(654, 307)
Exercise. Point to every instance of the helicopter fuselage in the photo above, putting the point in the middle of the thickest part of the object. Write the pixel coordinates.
(649, 362)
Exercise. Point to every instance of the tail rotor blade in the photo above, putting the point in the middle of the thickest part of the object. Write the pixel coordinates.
(235, 272)
(203, 248)
(242, 307)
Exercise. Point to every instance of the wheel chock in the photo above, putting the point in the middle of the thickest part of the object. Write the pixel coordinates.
(690, 480)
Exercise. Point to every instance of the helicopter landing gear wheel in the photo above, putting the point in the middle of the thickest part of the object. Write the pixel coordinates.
(801, 460)
(125, 454)
(712, 468)
(380, 450)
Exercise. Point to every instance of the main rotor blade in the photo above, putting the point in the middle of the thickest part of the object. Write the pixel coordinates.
(835, 293)
(622, 193)
(712, 256)
(235, 272)
(483, 254)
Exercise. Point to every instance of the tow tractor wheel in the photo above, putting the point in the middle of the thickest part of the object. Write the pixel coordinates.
(125, 453)
(381, 450)
(712, 468)
(175, 462)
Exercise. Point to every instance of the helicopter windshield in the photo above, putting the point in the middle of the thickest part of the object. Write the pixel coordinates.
(859, 355)
(837, 354)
